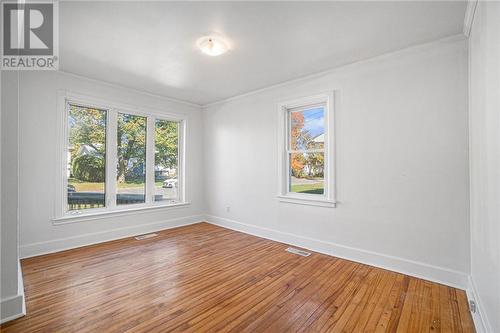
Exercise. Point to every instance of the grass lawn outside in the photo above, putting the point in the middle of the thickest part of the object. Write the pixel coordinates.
(315, 188)
(99, 187)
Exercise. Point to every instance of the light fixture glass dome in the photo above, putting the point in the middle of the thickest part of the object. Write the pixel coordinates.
(212, 46)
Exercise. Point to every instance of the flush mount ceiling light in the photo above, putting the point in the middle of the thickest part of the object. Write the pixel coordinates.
(212, 45)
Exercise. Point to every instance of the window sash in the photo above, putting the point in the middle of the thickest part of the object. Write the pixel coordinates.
(110, 185)
(288, 183)
(143, 188)
(302, 108)
(289, 150)
(68, 106)
(179, 171)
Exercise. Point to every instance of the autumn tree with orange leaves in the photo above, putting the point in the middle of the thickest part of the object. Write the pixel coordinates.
(299, 140)
(302, 139)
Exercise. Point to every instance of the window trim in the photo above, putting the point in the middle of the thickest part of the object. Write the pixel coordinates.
(61, 214)
(284, 108)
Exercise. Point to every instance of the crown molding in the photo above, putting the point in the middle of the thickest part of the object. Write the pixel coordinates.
(135, 90)
(469, 16)
(388, 55)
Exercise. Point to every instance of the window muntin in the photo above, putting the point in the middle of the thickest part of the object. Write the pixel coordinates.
(131, 164)
(166, 160)
(86, 157)
(306, 150)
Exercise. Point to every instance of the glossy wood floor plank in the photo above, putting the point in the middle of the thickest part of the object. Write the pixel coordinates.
(203, 278)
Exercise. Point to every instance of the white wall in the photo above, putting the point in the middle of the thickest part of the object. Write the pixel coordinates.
(12, 295)
(38, 135)
(402, 175)
(484, 57)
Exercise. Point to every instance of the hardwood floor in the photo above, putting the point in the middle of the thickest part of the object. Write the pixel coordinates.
(203, 278)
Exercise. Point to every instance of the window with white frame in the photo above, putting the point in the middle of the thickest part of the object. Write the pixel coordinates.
(116, 159)
(306, 147)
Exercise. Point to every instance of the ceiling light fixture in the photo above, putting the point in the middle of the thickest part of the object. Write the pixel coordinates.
(212, 46)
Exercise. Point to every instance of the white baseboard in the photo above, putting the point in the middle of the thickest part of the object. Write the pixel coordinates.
(480, 320)
(15, 306)
(61, 244)
(409, 267)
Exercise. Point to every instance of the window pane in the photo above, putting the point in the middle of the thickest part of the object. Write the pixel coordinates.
(166, 160)
(131, 169)
(86, 157)
(307, 129)
(307, 173)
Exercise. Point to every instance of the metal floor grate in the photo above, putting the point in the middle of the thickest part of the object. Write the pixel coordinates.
(146, 236)
(299, 252)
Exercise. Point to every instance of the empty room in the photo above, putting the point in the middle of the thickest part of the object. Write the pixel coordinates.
(250, 166)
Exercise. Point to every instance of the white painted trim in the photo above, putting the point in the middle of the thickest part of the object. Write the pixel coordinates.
(307, 201)
(15, 306)
(401, 265)
(481, 321)
(393, 54)
(106, 214)
(182, 158)
(349, 66)
(12, 308)
(112, 109)
(137, 91)
(397, 53)
(111, 151)
(469, 16)
(61, 244)
(326, 100)
(102, 102)
(150, 160)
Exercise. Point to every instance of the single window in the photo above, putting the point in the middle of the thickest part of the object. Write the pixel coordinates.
(306, 168)
(86, 157)
(307, 150)
(131, 166)
(166, 160)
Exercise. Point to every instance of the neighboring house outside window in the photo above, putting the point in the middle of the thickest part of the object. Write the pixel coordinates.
(306, 141)
(116, 159)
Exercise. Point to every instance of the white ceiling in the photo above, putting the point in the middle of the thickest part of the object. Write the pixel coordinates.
(151, 46)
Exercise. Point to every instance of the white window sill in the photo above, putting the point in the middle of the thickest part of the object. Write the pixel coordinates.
(307, 201)
(96, 215)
